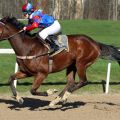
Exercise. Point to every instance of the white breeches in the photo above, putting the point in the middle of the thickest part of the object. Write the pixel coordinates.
(51, 30)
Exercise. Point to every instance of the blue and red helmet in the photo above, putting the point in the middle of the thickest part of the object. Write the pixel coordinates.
(27, 8)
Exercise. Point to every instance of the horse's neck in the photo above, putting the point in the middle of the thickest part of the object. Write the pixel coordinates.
(25, 45)
(18, 44)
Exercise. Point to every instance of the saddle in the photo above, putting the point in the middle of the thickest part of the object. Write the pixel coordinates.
(55, 44)
(61, 41)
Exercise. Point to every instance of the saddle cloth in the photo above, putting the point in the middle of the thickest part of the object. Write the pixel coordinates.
(62, 41)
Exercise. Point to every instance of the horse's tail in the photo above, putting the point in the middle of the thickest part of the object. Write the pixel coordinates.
(109, 52)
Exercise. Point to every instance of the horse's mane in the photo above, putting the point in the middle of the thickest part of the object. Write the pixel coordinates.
(12, 20)
(17, 24)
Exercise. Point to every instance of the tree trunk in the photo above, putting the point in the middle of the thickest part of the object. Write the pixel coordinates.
(66, 9)
(115, 13)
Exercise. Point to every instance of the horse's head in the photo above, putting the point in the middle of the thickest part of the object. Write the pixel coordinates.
(8, 27)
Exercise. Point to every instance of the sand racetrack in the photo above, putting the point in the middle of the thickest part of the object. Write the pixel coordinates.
(78, 107)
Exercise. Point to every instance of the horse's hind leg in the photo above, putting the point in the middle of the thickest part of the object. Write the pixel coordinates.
(17, 75)
(71, 71)
(71, 86)
(81, 70)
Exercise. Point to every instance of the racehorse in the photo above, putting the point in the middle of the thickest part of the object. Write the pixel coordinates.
(83, 52)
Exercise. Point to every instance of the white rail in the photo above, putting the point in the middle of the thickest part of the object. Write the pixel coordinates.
(7, 51)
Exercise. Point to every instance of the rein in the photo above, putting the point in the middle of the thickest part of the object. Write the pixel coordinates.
(21, 57)
(13, 35)
(10, 35)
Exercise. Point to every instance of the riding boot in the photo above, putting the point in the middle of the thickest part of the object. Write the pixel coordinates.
(43, 41)
(53, 46)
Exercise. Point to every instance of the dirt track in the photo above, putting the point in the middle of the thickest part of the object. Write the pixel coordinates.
(78, 107)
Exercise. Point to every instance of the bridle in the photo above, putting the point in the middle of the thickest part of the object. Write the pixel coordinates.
(4, 26)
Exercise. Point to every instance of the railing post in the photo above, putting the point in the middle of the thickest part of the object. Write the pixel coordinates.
(16, 69)
(108, 78)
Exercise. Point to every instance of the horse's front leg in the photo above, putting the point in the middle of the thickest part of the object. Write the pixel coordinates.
(17, 75)
(36, 84)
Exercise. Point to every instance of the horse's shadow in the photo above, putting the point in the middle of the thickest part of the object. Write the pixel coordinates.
(66, 106)
(30, 103)
(35, 104)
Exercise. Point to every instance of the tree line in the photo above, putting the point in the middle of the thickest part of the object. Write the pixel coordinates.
(66, 9)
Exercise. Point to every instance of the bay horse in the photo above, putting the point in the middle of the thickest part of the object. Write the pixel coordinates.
(83, 52)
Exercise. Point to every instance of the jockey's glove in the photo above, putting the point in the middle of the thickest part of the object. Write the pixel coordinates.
(24, 28)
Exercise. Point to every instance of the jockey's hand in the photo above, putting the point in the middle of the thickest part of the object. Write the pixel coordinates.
(24, 28)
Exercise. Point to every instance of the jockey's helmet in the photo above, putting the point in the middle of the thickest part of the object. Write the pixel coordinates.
(27, 8)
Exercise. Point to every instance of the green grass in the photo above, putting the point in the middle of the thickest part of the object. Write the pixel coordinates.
(103, 31)
(107, 32)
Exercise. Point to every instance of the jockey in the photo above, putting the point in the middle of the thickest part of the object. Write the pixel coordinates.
(37, 19)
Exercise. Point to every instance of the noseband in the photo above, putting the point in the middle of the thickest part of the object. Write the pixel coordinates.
(7, 29)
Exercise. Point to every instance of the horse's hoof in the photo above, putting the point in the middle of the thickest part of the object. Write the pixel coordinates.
(64, 101)
(51, 91)
(51, 104)
(21, 101)
(54, 102)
